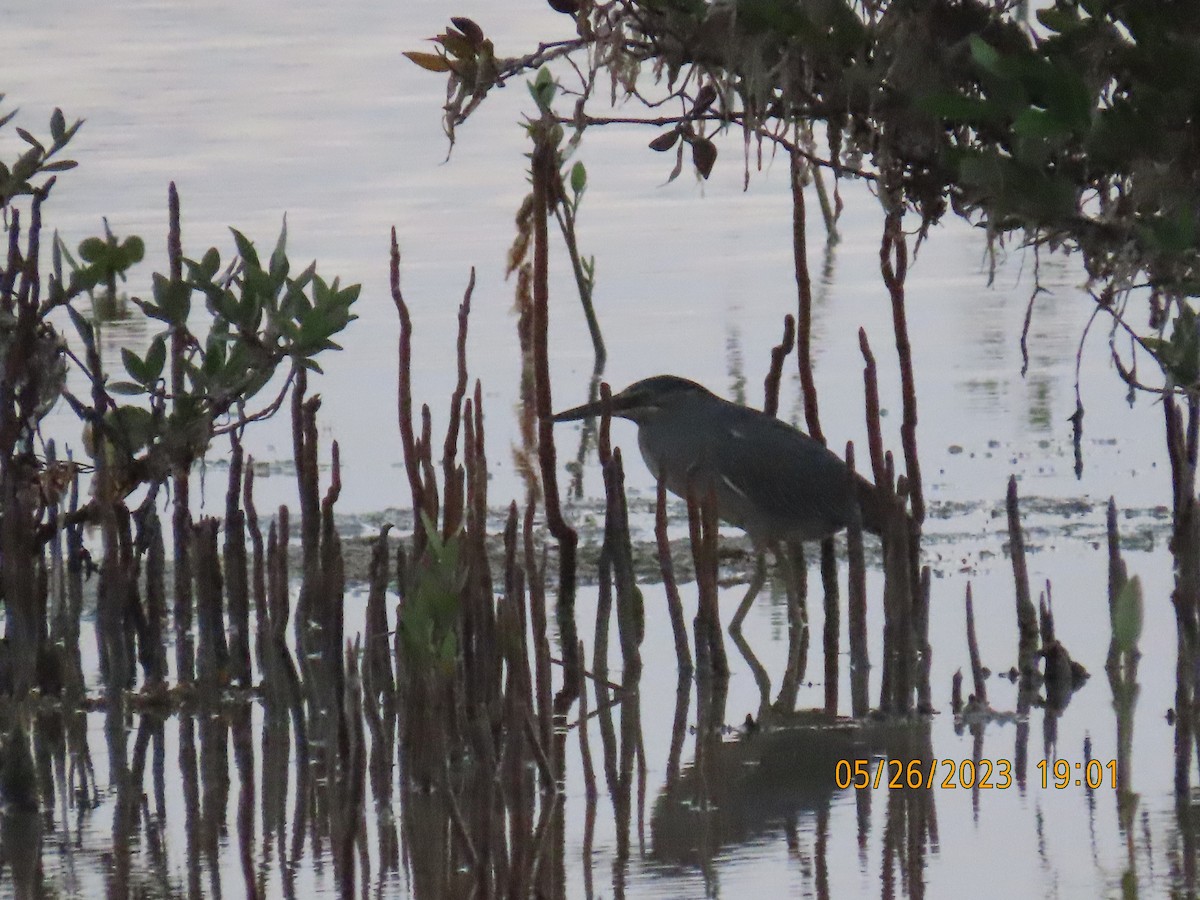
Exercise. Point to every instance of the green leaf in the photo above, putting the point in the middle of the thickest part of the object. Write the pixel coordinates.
(214, 357)
(93, 249)
(1016, 188)
(150, 309)
(174, 298)
(134, 365)
(1172, 232)
(211, 263)
(197, 378)
(1038, 124)
(156, 358)
(245, 248)
(134, 424)
(24, 168)
(578, 178)
(1058, 19)
(314, 327)
(83, 326)
(70, 133)
(985, 55)
(31, 140)
(256, 379)
(279, 260)
(301, 281)
(58, 125)
(248, 313)
(956, 108)
(133, 249)
(127, 388)
(84, 280)
(542, 89)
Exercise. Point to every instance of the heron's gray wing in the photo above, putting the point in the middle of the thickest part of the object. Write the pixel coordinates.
(783, 473)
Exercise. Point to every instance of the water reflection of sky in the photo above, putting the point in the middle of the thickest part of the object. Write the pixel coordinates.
(260, 109)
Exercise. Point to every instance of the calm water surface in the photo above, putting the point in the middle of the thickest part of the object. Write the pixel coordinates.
(262, 109)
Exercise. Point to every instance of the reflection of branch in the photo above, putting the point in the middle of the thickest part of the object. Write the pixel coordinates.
(456, 818)
(584, 673)
(674, 605)
(586, 433)
(539, 752)
(585, 717)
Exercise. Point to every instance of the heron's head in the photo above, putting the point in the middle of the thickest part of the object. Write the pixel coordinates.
(642, 400)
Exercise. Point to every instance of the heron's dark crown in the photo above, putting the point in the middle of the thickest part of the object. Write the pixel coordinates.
(643, 400)
(655, 392)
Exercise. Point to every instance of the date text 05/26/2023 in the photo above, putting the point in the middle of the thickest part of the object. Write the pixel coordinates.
(969, 774)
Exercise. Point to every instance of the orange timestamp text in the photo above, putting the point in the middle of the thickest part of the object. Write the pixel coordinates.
(968, 774)
(1060, 774)
(924, 773)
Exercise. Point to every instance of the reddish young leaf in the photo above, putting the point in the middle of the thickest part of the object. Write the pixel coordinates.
(665, 141)
(704, 155)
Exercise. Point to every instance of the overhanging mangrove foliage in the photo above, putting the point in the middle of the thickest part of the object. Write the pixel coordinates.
(1075, 129)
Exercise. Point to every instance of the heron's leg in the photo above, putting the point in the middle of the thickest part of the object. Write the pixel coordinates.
(757, 580)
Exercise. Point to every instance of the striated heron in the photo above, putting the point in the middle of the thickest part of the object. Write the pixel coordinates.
(770, 479)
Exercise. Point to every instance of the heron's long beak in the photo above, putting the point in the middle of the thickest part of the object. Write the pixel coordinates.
(579, 412)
